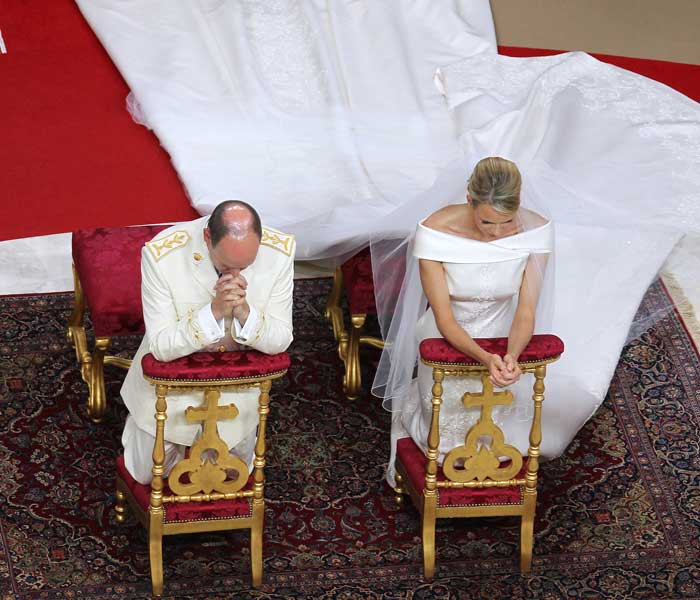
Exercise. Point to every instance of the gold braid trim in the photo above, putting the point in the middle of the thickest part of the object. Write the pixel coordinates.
(164, 246)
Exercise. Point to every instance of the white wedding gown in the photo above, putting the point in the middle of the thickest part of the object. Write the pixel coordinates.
(484, 280)
(325, 116)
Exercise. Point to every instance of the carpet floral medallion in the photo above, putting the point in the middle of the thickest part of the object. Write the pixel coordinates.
(618, 515)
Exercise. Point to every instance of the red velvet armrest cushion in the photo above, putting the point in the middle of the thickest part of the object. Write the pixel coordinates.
(213, 366)
(541, 347)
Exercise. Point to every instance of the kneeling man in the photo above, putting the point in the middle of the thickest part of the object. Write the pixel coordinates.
(216, 284)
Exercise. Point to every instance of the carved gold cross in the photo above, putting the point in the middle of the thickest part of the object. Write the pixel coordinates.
(487, 398)
(212, 412)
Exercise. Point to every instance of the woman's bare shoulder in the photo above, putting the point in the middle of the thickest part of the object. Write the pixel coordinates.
(443, 219)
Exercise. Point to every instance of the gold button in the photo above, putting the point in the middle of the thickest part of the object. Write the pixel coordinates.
(222, 348)
(197, 256)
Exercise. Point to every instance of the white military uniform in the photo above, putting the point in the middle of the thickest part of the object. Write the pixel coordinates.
(178, 280)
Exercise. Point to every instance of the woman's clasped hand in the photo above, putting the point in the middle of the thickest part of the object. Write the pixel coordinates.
(503, 371)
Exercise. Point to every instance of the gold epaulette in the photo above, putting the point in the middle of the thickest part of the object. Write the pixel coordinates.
(277, 240)
(164, 246)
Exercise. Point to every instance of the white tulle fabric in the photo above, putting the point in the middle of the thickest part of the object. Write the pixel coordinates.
(324, 115)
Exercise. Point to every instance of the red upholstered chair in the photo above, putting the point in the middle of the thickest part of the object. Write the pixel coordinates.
(355, 277)
(201, 495)
(107, 278)
(472, 481)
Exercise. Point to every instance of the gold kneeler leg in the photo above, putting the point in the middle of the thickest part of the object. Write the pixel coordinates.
(428, 519)
(97, 399)
(334, 313)
(527, 522)
(91, 364)
(399, 490)
(350, 353)
(120, 506)
(348, 341)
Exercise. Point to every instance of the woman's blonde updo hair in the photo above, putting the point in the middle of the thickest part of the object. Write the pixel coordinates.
(495, 181)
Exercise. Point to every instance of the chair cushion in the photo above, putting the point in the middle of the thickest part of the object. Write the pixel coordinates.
(541, 347)
(358, 283)
(108, 262)
(186, 511)
(414, 463)
(213, 366)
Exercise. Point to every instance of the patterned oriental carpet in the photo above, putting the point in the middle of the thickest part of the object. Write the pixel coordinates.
(618, 515)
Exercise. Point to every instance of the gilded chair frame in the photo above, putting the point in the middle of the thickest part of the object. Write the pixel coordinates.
(348, 341)
(154, 519)
(91, 363)
(427, 501)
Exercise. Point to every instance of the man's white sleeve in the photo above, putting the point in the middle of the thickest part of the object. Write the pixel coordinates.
(243, 334)
(211, 328)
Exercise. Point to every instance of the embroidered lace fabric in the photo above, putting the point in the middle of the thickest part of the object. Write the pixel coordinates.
(647, 130)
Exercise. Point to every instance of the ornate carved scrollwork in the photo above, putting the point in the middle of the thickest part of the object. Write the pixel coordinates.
(209, 464)
(477, 459)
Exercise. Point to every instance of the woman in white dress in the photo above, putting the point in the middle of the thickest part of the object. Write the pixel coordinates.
(481, 268)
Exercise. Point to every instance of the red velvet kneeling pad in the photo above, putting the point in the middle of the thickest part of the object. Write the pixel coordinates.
(212, 366)
(541, 347)
(108, 262)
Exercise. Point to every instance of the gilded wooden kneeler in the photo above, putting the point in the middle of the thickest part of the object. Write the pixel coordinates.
(485, 476)
(209, 489)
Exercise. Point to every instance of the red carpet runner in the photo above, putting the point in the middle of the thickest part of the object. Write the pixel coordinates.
(71, 156)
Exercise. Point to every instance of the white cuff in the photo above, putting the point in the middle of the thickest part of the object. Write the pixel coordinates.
(212, 329)
(243, 334)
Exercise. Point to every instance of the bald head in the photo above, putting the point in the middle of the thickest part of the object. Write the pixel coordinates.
(235, 218)
(233, 236)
